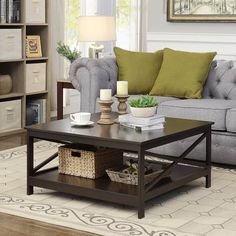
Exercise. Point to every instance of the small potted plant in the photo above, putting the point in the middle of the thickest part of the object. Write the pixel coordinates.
(65, 51)
(145, 106)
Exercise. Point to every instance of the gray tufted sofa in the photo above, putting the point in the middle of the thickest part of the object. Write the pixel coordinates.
(218, 104)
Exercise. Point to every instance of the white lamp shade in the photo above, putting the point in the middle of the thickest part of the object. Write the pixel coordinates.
(96, 28)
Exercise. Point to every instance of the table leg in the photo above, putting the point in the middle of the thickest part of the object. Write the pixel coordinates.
(59, 101)
(30, 162)
(141, 189)
(208, 158)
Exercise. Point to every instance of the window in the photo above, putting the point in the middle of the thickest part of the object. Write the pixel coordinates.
(128, 23)
(72, 12)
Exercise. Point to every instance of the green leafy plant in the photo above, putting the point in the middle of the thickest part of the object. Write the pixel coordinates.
(143, 101)
(65, 51)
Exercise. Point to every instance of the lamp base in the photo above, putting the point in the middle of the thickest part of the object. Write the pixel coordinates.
(94, 50)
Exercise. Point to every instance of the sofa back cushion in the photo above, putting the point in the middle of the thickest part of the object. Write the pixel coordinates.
(221, 82)
(183, 74)
(140, 69)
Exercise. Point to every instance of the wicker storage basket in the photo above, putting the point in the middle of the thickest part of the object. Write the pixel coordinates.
(117, 176)
(87, 161)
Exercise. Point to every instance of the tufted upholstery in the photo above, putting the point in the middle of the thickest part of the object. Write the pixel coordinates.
(221, 82)
(89, 76)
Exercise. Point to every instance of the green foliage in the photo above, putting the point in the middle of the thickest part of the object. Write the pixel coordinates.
(65, 51)
(144, 101)
(123, 13)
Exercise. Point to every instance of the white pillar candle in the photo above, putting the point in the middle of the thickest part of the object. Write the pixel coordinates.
(105, 94)
(122, 88)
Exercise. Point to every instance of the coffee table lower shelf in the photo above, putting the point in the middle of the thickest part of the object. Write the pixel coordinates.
(104, 189)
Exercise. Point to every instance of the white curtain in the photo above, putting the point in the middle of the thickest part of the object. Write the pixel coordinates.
(56, 28)
(132, 34)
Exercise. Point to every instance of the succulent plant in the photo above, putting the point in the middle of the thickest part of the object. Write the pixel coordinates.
(144, 101)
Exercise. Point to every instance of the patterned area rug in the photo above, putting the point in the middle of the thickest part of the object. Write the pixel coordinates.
(187, 211)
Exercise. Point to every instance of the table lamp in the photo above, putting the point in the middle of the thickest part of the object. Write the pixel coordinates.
(96, 29)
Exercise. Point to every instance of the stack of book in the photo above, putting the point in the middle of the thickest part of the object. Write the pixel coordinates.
(142, 124)
(10, 11)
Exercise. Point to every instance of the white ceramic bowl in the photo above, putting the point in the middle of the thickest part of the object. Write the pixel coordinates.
(143, 112)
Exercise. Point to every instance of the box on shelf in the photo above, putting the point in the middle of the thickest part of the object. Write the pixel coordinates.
(10, 115)
(88, 161)
(35, 11)
(10, 44)
(35, 77)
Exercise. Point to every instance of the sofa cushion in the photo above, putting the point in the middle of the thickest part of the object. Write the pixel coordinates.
(182, 74)
(199, 109)
(140, 69)
(231, 120)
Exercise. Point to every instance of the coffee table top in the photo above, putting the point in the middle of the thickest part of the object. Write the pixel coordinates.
(174, 129)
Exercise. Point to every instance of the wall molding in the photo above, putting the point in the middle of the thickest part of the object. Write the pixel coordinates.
(223, 44)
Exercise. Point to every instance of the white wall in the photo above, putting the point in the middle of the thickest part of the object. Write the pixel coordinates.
(157, 22)
(220, 37)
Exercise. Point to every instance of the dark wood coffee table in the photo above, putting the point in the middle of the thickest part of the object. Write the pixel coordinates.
(116, 136)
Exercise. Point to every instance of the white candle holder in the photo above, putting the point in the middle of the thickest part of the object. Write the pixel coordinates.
(105, 118)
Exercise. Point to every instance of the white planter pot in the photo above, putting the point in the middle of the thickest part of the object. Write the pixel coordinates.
(143, 112)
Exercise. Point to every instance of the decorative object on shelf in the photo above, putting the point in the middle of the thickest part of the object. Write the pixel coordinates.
(65, 51)
(122, 106)
(145, 106)
(201, 11)
(33, 46)
(5, 84)
(129, 173)
(87, 161)
(96, 29)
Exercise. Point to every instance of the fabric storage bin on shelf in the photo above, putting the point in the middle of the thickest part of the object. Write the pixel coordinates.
(88, 161)
(35, 77)
(10, 115)
(35, 11)
(10, 44)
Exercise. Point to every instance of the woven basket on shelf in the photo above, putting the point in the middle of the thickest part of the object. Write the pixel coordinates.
(117, 176)
(87, 161)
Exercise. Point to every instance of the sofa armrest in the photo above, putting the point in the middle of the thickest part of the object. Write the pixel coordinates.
(89, 76)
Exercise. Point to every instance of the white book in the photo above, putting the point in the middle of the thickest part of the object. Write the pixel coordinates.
(143, 127)
(128, 118)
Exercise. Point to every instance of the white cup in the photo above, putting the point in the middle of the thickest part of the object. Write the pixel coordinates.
(81, 117)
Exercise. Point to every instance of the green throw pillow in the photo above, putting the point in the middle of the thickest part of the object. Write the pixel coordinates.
(183, 74)
(140, 69)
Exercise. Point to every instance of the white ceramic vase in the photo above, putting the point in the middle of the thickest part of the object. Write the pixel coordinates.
(143, 111)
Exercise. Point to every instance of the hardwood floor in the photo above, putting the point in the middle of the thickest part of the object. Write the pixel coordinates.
(18, 226)
(26, 227)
